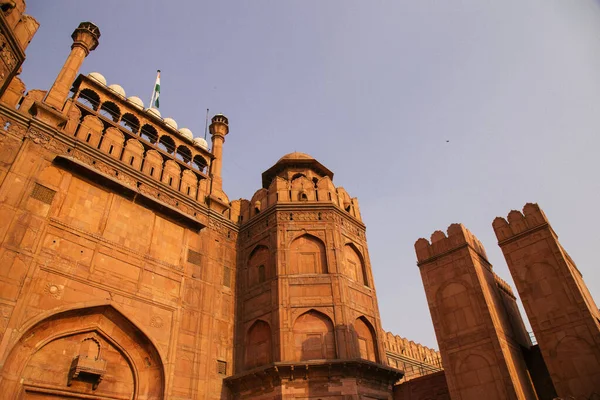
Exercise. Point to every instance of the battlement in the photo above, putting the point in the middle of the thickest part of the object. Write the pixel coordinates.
(407, 348)
(457, 237)
(504, 286)
(518, 222)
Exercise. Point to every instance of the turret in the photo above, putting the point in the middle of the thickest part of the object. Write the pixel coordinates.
(219, 128)
(85, 39)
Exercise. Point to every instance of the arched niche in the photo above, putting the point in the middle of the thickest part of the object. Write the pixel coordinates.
(476, 379)
(258, 266)
(153, 164)
(366, 339)
(258, 345)
(120, 359)
(456, 310)
(307, 255)
(314, 338)
(580, 369)
(548, 297)
(355, 265)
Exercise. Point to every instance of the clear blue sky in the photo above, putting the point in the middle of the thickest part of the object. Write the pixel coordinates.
(374, 90)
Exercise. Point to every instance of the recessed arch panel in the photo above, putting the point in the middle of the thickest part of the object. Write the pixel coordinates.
(314, 338)
(258, 266)
(123, 359)
(258, 345)
(355, 265)
(366, 339)
(307, 256)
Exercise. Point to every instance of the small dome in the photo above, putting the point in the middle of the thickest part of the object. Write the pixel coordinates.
(98, 77)
(185, 132)
(171, 122)
(136, 102)
(117, 89)
(153, 111)
(200, 142)
(296, 156)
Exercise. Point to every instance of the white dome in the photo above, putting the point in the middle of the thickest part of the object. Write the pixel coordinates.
(117, 89)
(136, 102)
(200, 142)
(171, 122)
(98, 77)
(185, 132)
(153, 111)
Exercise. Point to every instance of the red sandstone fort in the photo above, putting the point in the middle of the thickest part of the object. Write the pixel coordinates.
(127, 273)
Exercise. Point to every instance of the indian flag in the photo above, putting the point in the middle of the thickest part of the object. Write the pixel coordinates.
(156, 93)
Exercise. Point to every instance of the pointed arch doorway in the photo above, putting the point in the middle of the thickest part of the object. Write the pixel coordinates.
(93, 352)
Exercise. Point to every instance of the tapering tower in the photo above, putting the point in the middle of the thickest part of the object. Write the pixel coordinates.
(563, 314)
(477, 323)
(307, 309)
(85, 39)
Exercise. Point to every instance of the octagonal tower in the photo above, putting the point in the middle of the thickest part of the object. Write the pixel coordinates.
(307, 310)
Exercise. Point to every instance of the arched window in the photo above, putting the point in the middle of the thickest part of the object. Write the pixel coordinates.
(130, 122)
(259, 260)
(184, 154)
(167, 144)
(89, 98)
(258, 345)
(199, 163)
(307, 256)
(313, 337)
(355, 266)
(110, 110)
(149, 133)
(365, 336)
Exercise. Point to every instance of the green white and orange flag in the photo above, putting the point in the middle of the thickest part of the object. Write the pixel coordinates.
(156, 93)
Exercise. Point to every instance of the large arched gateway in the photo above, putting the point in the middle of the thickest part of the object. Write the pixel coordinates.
(84, 353)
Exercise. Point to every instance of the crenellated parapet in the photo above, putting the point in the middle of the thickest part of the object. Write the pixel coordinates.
(519, 222)
(457, 236)
(407, 348)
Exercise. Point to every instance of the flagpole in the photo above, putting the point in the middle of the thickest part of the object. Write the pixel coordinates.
(152, 98)
(206, 124)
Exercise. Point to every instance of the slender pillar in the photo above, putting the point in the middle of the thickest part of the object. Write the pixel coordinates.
(85, 39)
(219, 128)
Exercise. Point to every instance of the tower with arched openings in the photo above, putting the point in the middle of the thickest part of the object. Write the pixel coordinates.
(306, 303)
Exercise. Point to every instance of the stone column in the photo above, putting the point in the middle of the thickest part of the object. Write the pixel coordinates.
(85, 39)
